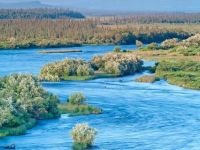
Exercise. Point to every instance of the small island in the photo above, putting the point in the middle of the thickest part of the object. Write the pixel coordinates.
(76, 105)
(109, 65)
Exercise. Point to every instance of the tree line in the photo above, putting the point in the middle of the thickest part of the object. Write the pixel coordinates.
(26, 33)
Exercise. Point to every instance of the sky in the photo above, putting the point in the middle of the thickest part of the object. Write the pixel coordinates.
(125, 5)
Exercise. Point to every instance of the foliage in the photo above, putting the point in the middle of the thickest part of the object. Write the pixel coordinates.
(40, 33)
(77, 110)
(181, 73)
(117, 63)
(169, 43)
(61, 70)
(22, 99)
(76, 98)
(83, 136)
(187, 47)
(76, 106)
(111, 63)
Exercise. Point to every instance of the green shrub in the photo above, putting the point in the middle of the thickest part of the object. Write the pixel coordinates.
(62, 70)
(22, 99)
(117, 63)
(77, 98)
(83, 136)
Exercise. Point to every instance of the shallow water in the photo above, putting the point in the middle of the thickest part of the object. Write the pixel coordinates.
(137, 116)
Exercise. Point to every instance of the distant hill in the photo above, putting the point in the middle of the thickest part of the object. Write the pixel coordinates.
(39, 13)
(30, 4)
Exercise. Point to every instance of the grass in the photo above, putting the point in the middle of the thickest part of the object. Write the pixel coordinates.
(160, 55)
(77, 110)
(18, 130)
(182, 78)
(148, 79)
(174, 67)
(182, 73)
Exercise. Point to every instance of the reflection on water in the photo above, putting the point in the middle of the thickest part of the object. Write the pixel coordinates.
(137, 116)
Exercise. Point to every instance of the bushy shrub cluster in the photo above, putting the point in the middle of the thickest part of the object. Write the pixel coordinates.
(83, 136)
(188, 47)
(110, 63)
(22, 98)
(170, 43)
(117, 63)
(76, 98)
(62, 69)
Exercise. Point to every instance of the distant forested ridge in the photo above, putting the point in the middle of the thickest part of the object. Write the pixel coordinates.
(154, 17)
(39, 13)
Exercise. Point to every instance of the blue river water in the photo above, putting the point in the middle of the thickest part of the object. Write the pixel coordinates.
(136, 116)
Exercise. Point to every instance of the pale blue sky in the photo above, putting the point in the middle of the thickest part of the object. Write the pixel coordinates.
(130, 5)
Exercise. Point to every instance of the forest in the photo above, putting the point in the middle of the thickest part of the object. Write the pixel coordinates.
(43, 28)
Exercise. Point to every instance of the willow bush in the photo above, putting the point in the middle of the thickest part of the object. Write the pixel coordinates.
(60, 70)
(117, 63)
(83, 136)
(23, 99)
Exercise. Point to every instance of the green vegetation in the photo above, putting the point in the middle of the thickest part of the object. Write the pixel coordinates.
(108, 65)
(39, 13)
(76, 106)
(187, 47)
(83, 136)
(54, 31)
(182, 73)
(67, 69)
(117, 63)
(22, 103)
(179, 61)
(148, 79)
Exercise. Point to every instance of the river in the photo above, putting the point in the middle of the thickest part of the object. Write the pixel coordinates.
(136, 116)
